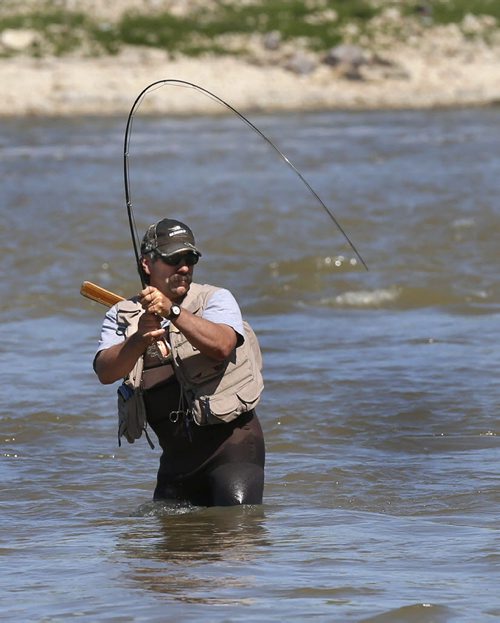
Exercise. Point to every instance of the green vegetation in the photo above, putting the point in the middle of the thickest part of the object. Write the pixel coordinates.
(198, 32)
(321, 24)
(454, 11)
(61, 32)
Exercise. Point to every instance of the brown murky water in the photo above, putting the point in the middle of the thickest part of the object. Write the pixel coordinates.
(380, 410)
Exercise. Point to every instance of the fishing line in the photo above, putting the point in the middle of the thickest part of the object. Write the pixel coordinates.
(184, 83)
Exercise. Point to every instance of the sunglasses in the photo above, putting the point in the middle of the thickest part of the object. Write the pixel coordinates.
(178, 259)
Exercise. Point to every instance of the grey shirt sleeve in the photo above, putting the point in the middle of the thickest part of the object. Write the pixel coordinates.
(223, 308)
(111, 333)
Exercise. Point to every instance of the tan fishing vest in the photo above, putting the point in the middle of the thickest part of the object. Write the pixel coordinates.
(215, 391)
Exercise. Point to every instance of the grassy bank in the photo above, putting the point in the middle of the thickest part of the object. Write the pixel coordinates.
(225, 26)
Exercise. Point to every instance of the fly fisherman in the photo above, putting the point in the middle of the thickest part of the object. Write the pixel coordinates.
(193, 365)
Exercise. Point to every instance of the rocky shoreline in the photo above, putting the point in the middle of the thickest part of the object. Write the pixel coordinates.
(438, 68)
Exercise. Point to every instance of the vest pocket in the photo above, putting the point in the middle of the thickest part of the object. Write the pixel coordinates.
(196, 367)
(219, 409)
(249, 394)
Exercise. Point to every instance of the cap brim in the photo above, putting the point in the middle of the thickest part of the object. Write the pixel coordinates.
(173, 248)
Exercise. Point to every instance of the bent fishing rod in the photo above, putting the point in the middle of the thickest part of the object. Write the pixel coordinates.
(184, 83)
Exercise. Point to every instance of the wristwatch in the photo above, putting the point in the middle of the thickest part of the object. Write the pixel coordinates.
(174, 313)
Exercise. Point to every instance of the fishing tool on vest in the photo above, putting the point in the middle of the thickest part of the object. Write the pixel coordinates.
(184, 83)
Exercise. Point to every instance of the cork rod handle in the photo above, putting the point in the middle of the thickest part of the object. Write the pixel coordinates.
(96, 293)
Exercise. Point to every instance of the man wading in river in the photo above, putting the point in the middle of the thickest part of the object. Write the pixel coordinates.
(195, 365)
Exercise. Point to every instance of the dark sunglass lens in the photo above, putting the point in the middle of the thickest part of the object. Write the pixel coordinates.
(170, 260)
(192, 259)
(182, 258)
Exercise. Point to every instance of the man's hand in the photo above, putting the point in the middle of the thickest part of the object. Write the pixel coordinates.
(155, 304)
(149, 327)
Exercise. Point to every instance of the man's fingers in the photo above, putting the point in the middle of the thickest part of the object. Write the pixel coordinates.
(155, 334)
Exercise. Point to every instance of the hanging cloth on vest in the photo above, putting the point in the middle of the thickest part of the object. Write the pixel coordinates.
(132, 421)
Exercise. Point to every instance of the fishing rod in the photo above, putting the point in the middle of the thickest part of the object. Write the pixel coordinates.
(184, 83)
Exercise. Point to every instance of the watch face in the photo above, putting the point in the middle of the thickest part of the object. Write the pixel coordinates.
(175, 310)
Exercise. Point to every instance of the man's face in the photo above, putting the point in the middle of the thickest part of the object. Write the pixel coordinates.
(172, 275)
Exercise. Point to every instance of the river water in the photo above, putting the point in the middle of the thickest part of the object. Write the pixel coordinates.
(381, 403)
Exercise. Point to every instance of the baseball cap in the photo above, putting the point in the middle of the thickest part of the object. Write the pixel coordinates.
(167, 237)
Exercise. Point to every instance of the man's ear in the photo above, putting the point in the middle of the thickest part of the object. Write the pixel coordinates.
(146, 265)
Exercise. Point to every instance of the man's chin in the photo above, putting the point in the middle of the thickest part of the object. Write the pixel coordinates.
(182, 288)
